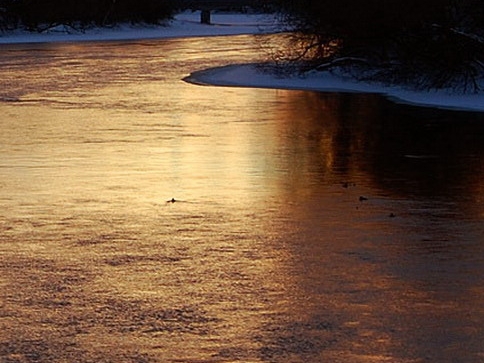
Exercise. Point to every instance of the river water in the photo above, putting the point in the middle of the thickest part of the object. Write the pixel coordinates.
(307, 227)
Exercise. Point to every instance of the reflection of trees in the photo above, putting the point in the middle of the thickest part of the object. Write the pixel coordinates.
(318, 140)
(428, 152)
(403, 150)
(397, 288)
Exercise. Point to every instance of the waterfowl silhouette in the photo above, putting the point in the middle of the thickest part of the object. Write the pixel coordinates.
(348, 184)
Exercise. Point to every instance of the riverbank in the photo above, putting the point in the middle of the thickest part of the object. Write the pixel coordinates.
(250, 75)
(188, 24)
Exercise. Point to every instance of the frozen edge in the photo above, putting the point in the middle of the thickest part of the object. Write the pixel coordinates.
(183, 25)
(249, 75)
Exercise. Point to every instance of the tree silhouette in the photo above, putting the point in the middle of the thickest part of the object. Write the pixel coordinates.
(426, 43)
(37, 15)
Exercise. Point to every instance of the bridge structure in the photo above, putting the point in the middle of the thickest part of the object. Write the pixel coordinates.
(207, 6)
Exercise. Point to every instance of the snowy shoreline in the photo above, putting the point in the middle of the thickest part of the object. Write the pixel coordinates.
(187, 24)
(249, 75)
(183, 25)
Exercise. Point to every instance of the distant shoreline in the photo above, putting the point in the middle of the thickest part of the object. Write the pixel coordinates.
(183, 25)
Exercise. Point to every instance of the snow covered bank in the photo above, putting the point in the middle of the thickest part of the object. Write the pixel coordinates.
(251, 76)
(185, 24)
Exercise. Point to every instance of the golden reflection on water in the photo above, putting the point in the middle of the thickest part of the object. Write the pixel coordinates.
(268, 255)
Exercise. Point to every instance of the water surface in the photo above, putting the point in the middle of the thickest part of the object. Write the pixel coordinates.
(308, 227)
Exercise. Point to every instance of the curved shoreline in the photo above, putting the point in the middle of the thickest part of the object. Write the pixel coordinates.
(249, 76)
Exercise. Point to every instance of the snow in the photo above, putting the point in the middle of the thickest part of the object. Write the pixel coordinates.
(187, 24)
(248, 75)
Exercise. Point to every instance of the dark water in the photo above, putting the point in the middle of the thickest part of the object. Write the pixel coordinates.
(308, 227)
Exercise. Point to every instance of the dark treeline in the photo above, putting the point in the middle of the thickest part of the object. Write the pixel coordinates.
(425, 43)
(37, 15)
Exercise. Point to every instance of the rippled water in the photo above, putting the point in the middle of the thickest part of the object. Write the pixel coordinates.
(307, 228)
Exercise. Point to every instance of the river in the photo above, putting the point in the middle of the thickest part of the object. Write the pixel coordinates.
(306, 227)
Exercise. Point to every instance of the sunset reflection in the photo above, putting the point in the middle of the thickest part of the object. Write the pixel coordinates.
(306, 227)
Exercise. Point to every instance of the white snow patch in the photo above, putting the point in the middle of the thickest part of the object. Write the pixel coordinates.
(183, 25)
(250, 76)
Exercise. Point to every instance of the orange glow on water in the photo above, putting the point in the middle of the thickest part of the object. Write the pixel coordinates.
(267, 254)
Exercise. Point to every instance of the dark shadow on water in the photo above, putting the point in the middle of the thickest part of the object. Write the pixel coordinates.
(399, 288)
(404, 151)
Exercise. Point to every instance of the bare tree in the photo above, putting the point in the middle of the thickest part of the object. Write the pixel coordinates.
(424, 43)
